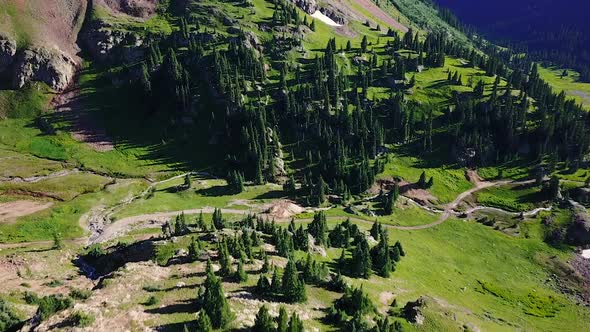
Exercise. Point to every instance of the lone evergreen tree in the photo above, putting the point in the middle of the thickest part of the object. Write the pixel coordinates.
(214, 301)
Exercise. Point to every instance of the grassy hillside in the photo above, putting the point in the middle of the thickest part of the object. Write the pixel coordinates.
(300, 133)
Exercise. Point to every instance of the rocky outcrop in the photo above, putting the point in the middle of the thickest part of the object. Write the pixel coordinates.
(48, 65)
(308, 6)
(106, 43)
(578, 232)
(7, 52)
(412, 311)
(334, 14)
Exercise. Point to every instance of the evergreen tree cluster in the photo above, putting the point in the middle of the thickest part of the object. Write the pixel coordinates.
(290, 287)
(282, 323)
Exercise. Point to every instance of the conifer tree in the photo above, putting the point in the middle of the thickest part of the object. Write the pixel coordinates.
(364, 44)
(276, 286)
(282, 320)
(241, 275)
(295, 324)
(293, 288)
(203, 323)
(318, 228)
(218, 221)
(263, 322)
(361, 259)
(214, 302)
(194, 250)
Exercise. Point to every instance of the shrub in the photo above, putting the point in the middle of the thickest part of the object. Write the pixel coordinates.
(51, 304)
(152, 300)
(8, 318)
(80, 294)
(81, 319)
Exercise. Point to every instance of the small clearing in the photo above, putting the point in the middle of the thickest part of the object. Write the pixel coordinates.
(10, 211)
(320, 16)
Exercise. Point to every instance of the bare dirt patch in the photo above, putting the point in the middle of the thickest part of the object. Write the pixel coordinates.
(411, 190)
(10, 211)
(381, 15)
(284, 209)
(137, 8)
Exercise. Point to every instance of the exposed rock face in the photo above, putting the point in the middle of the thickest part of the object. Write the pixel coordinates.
(335, 14)
(105, 43)
(308, 6)
(7, 52)
(45, 65)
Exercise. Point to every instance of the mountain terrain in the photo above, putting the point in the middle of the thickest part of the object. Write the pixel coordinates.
(289, 165)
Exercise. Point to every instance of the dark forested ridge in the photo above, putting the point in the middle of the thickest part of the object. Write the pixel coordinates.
(548, 29)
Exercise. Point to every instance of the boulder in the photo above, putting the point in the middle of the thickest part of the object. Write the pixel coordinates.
(412, 311)
(7, 52)
(578, 232)
(48, 65)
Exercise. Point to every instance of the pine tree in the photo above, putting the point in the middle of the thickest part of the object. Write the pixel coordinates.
(224, 258)
(318, 228)
(381, 257)
(203, 323)
(275, 286)
(264, 322)
(376, 230)
(293, 288)
(422, 180)
(201, 222)
(214, 302)
(361, 259)
(241, 275)
(194, 249)
(282, 320)
(218, 221)
(364, 44)
(295, 324)
(263, 286)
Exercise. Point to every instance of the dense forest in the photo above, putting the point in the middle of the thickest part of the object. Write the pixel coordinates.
(319, 104)
(548, 30)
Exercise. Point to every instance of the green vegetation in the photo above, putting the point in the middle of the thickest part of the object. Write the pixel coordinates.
(254, 106)
(27, 102)
(569, 83)
(8, 317)
(511, 198)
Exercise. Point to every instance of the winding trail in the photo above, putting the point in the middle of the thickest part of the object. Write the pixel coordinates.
(98, 220)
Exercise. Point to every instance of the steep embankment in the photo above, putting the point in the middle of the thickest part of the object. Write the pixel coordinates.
(38, 41)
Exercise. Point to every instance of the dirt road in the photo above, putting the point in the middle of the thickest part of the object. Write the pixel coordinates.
(102, 230)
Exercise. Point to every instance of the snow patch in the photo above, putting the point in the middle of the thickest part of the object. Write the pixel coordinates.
(320, 16)
(586, 253)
